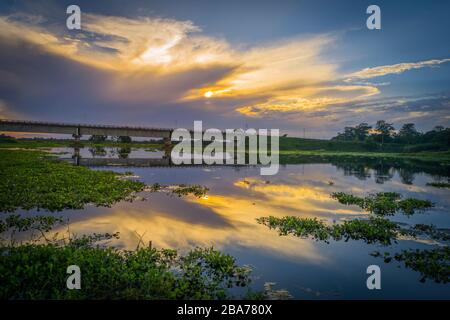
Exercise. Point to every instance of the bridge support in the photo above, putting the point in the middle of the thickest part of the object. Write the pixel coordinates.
(77, 135)
(167, 147)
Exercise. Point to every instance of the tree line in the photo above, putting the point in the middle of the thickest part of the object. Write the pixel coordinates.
(101, 138)
(384, 132)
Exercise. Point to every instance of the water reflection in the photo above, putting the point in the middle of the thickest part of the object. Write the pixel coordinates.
(226, 217)
(381, 170)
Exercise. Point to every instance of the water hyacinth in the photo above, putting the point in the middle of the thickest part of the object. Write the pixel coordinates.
(384, 203)
(31, 179)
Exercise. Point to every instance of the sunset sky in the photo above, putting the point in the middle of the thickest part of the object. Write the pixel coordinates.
(291, 65)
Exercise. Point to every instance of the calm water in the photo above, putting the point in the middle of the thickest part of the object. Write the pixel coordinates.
(226, 219)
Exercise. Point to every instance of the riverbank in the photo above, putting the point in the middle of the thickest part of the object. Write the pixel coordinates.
(428, 156)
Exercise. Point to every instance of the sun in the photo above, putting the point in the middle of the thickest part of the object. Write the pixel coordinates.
(208, 94)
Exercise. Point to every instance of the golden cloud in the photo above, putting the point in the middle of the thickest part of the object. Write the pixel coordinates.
(283, 77)
(394, 69)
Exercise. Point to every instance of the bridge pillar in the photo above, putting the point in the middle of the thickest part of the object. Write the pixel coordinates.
(77, 135)
(167, 147)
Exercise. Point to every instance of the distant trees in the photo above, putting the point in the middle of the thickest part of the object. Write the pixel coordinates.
(408, 133)
(97, 138)
(384, 132)
(362, 131)
(124, 139)
(358, 133)
(101, 138)
(5, 138)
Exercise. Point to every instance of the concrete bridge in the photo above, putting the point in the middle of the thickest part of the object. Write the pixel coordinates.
(78, 130)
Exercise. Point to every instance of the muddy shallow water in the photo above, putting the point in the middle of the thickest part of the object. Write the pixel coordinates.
(226, 219)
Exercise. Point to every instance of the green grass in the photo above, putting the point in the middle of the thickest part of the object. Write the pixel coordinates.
(292, 155)
(31, 179)
(293, 143)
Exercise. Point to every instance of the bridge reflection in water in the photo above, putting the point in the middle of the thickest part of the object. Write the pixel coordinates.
(125, 160)
(78, 160)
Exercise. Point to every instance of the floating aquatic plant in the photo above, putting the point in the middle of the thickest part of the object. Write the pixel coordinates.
(431, 264)
(30, 179)
(38, 271)
(384, 203)
(197, 190)
(372, 230)
(439, 184)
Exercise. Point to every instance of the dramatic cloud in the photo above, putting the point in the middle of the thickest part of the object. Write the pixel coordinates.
(320, 99)
(368, 73)
(155, 47)
(123, 69)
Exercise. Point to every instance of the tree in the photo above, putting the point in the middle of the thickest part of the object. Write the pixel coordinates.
(348, 134)
(408, 133)
(362, 131)
(384, 130)
(97, 138)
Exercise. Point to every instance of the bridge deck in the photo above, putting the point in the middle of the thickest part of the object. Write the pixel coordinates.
(79, 129)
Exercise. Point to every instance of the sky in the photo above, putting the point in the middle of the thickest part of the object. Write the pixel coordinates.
(308, 68)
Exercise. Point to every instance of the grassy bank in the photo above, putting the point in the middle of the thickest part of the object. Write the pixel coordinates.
(291, 155)
(32, 179)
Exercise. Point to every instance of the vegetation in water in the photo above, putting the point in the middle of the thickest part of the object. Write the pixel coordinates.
(179, 190)
(439, 184)
(384, 203)
(30, 179)
(37, 270)
(197, 190)
(428, 230)
(372, 230)
(432, 264)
